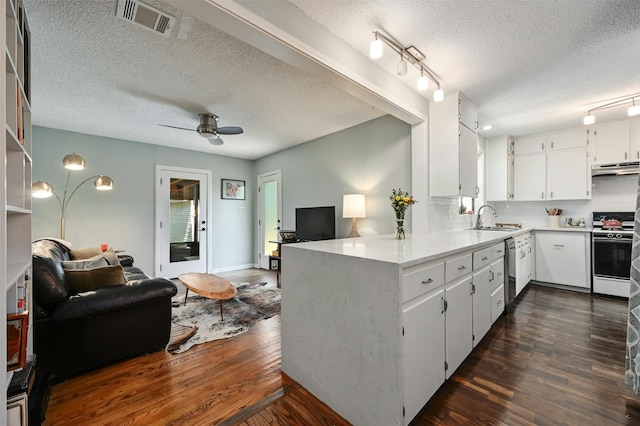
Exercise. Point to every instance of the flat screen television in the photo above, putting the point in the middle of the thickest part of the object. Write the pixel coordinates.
(316, 223)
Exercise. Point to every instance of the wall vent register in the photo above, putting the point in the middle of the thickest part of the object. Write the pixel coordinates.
(145, 16)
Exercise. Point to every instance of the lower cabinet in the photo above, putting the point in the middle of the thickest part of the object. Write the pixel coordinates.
(458, 323)
(562, 257)
(423, 349)
(448, 306)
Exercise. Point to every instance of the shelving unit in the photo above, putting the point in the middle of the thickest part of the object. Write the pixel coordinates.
(15, 170)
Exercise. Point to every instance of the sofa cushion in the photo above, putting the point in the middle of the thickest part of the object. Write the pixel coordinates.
(49, 284)
(83, 280)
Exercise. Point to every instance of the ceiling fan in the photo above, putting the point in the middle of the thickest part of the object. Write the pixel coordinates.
(208, 128)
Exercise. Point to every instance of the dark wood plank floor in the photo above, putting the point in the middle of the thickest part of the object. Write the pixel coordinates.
(556, 358)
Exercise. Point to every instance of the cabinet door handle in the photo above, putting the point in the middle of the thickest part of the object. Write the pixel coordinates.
(637, 155)
(542, 146)
(558, 245)
(493, 276)
(551, 144)
(551, 194)
(429, 281)
(485, 258)
(625, 155)
(542, 195)
(473, 288)
(499, 251)
(462, 268)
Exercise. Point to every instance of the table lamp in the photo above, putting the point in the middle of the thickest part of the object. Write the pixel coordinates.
(353, 207)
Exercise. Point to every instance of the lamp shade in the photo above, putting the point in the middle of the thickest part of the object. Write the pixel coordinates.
(41, 189)
(423, 83)
(633, 110)
(103, 183)
(73, 162)
(353, 206)
(375, 49)
(589, 119)
(438, 95)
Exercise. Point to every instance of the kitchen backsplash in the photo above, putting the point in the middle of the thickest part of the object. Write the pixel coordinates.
(609, 193)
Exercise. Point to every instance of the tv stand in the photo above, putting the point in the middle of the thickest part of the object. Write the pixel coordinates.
(274, 261)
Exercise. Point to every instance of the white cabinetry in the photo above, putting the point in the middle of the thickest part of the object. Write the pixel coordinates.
(524, 255)
(423, 349)
(499, 169)
(453, 148)
(488, 276)
(552, 167)
(613, 143)
(563, 258)
(15, 142)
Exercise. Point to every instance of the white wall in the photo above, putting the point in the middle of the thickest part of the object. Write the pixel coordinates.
(371, 158)
(124, 217)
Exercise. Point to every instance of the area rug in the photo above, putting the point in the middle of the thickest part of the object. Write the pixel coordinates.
(253, 303)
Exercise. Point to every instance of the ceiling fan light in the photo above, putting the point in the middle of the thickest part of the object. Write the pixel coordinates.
(375, 49)
(41, 189)
(589, 119)
(423, 83)
(215, 140)
(104, 183)
(73, 162)
(633, 110)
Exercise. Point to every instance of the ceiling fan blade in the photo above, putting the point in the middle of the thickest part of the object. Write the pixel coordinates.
(174, 127)
(229, 130)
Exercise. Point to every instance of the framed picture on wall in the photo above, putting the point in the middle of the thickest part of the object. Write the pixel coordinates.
(232, 189)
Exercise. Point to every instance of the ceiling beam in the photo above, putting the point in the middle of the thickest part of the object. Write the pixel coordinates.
(284, 32)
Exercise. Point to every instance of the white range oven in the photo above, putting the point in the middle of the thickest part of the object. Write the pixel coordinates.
(612, 239)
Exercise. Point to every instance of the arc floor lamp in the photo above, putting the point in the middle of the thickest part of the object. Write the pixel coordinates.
(71, 162)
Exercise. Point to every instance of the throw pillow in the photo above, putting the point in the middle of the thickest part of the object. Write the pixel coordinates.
(91, 263)
(84, 253)
(83, 280)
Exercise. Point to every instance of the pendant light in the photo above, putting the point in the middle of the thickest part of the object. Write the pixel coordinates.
(422, 83)
(634, 109)
(589, 119)
(402, 65)
(438, 95)
(375, 48)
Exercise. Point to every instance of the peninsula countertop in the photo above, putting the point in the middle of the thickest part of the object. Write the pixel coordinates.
(416, 248)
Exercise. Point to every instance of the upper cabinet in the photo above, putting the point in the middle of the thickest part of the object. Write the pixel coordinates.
(499, 169)
(552, 166)
(613, 143)
(453, 148)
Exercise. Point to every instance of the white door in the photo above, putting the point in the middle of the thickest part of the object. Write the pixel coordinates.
(481, 304)
(269, 214)
(458, 323)
(529, 177)
(567, 174)
(182, 219)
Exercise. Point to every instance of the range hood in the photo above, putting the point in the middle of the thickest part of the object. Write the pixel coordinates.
(615, 169)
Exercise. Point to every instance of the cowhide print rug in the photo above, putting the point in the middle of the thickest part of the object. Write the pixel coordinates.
(253, 303)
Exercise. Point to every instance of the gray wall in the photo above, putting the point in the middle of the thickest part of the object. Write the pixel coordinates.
(371, 158)
(124, 217)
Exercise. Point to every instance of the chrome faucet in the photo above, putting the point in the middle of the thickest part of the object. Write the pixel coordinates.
(479, 220)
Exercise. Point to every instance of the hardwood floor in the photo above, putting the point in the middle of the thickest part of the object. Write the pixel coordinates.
(556, 358)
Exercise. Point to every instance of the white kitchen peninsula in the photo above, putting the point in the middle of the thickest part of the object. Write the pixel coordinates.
(346, 304)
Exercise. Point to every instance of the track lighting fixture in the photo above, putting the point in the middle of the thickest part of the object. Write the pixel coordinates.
(402, 65)
(414, 56)
(632, 111)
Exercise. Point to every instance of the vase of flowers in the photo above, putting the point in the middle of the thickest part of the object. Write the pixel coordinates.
(400, 201)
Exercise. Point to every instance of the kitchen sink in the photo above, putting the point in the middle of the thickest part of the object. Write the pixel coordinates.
(497, 228)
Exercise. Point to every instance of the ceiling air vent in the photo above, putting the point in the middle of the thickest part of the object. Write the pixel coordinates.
(145, 16)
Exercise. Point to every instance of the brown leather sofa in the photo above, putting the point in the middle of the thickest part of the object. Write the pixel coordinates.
(78, 331)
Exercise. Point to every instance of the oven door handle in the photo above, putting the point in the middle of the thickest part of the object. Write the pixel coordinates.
(613, 240)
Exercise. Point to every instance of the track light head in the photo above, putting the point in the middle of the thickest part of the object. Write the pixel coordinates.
(375, 49)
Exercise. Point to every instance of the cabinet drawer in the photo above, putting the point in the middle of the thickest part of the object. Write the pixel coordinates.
(497, 303)
(455, 268)
(497, 251)
(481, 258)
(497, 267)
(421, 280)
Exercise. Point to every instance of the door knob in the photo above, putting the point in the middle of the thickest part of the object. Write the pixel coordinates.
(203, 229)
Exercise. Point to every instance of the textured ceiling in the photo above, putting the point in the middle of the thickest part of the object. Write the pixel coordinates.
(530, 66)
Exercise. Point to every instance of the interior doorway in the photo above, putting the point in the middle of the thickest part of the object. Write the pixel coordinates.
(182, 218)
(269, 214)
